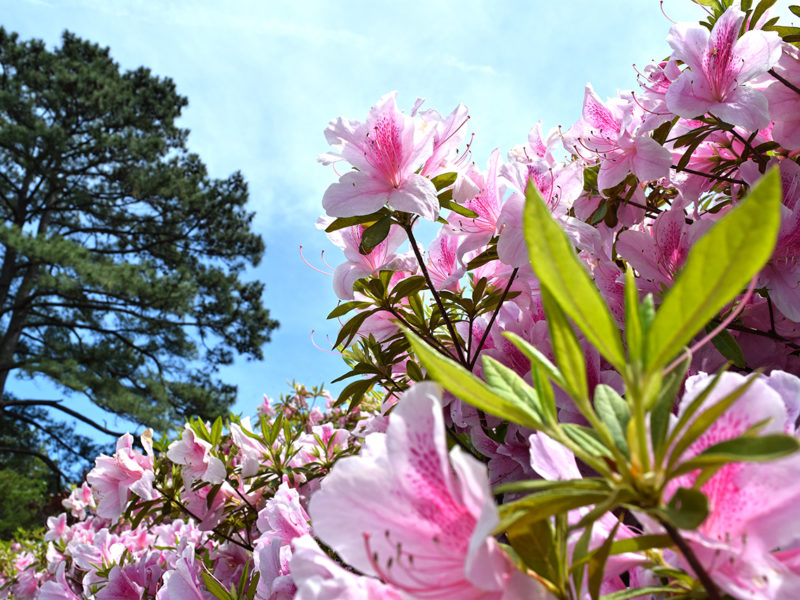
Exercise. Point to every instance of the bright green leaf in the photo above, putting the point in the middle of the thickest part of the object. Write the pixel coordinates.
(718, 266)
(470, 389)
(554, 261)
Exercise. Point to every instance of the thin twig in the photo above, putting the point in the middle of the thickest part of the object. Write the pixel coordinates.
(707, 175)
(693, 561)
(183, 507)
(413, 242)
(492, 319)
(784, 81)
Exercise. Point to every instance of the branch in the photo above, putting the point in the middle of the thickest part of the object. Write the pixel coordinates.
(43, 429)
(491, 321)
(707, 175)
(784, 81)
(693, 561)
(445, 317)
(57, 405)
(45, 459)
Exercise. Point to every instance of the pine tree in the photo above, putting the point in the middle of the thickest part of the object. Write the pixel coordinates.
(120, 275)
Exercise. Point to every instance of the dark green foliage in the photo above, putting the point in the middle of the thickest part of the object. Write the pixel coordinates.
(121, 258)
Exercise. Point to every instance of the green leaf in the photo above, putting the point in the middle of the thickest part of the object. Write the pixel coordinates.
(650, 591)
(214, 586)
(458, 209)
(761, 8)
(507, 383)
(795, 9)
(717, 268)
(687, 509)
(483, 258)
(614, 413)
(537, 358)
(406, 287)
(444, 180)
(374, 234)
(587, 439)
(346, 307)
(544, 505)
(662, 409)
(634, 330)
(534, 543)
(727, 346)
(343, 222)
(704, 420)
(216, 431)
(581, 554)
(470, 389)
(566, 349)
(741, 449)
(350, 329)
(554, 261)
(537, 485)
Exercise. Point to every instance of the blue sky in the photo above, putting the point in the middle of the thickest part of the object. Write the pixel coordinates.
(263, 79)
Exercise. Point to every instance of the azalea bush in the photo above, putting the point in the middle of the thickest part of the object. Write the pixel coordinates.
(584, 385)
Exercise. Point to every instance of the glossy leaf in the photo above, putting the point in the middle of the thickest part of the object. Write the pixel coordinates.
(687, 509)
(534, 543)
(374, 234)
(343, 222)
(505, 382)
(613, 411)
(444, 180)
(728, 347)
(718, 266)
(544, 505)
(472, 390)
(346, 307)
(741, 449)
(555, 263)
(566, 349)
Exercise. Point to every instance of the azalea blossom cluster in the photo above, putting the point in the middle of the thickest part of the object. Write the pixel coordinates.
(611, 319)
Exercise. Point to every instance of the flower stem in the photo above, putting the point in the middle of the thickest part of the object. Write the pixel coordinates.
(693, 561)
(452, 330)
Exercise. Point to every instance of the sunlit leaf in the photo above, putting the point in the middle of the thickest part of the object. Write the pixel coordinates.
(555, 263)
(717, 268)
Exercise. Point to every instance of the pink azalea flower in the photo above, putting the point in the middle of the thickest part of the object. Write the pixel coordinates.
(482, 194)
(401, 512)
(753, 506)
(252, 453)
(658, 254)
(609, 130)
(387, 150)
(56, 589)
(283, 516)
(79, 500)
(720, 65)
(655, 81)
(183, 581)
(194, 455)
(357, 266)
(538, 146)
(56, 527)
(784, 102)
(443, 266)
(317, 577)
(449, 133)
(271, 559)
(781, 275)
(114, 477)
